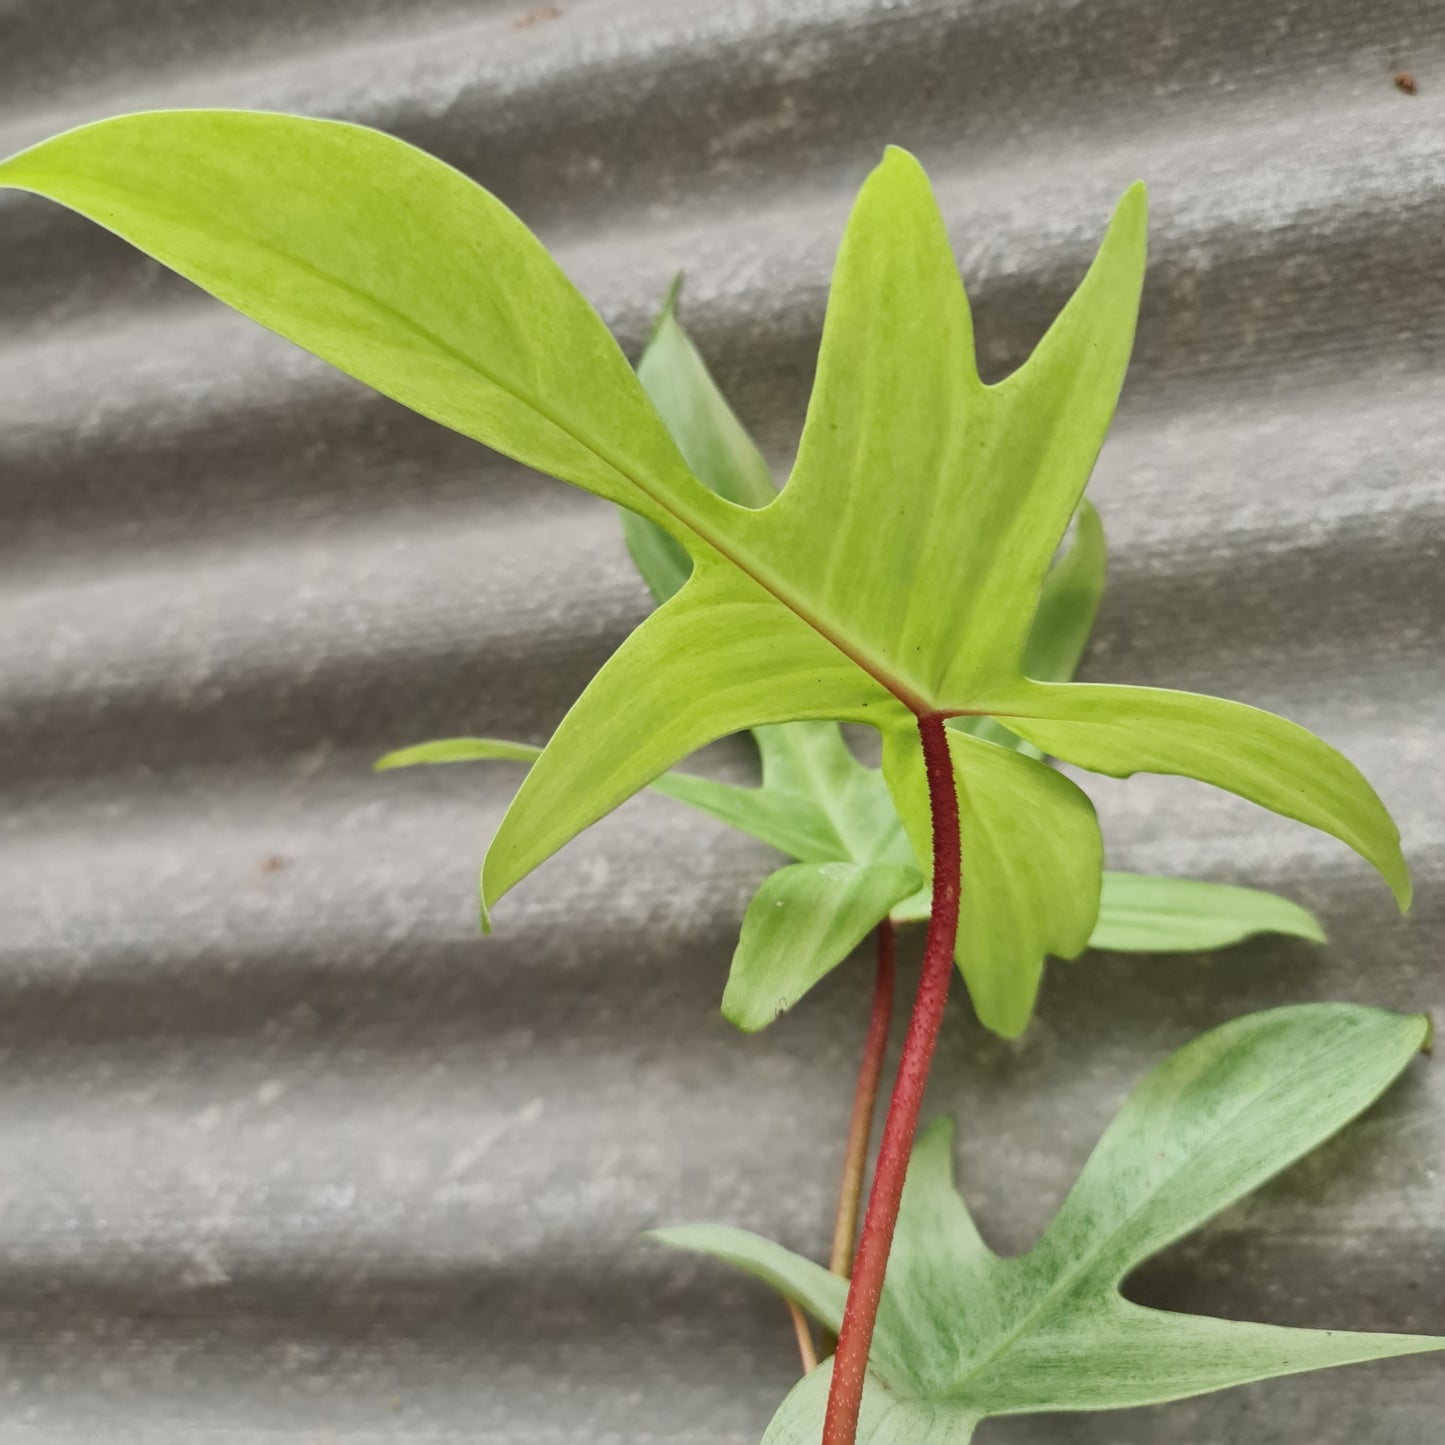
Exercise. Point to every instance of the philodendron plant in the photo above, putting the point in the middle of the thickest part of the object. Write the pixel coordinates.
(854, 867)
(892, 582)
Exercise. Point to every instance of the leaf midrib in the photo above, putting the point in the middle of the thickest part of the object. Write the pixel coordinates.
(684, 517)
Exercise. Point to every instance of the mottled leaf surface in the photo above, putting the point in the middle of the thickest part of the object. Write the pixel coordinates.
(964, 1333)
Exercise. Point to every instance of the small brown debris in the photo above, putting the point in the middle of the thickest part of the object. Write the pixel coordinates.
(274, 863)
(539, 16)
(1405, 82)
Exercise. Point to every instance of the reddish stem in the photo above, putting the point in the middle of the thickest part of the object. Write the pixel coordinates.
(865, 1098)
(845, 1393)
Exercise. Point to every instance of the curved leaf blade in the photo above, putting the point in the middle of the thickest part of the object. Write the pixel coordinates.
(791, 823)
(800, 925)
(1135, 1356)
(1032, 863)
(1143, 914)
(1261, 757)
(701, 666)
(1217, 1119)
(388, 264)
(820, 1292)
(457, 750)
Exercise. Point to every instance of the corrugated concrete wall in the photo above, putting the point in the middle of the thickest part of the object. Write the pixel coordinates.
(289, 1152)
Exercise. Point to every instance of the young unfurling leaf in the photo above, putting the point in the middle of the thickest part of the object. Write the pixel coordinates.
(893, 579)
(964, 1334)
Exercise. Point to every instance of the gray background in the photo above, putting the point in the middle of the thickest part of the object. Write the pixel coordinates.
(286, 1150)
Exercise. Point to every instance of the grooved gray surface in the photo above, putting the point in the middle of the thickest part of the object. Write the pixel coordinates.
(289, 1151)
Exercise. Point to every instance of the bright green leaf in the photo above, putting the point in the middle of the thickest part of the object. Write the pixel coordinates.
(1140, 914)
(458, 750)
(802, 923)
(964, 1334)
(818, 556)
(719, 657)
(1068, 604)
(1031, 866)
(897, 572)
(1125, 730)
(390, 265)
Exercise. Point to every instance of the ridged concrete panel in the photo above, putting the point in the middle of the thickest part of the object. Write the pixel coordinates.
(290, 1152)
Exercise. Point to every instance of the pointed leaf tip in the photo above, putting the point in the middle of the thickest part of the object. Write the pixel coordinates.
(668, 311)
(900, 166)
(964, 1335)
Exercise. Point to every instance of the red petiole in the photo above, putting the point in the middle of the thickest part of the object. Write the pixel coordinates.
(845, 1394)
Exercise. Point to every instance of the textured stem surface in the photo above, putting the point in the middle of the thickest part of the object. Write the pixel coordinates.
(865, 1097)
(845, 1393)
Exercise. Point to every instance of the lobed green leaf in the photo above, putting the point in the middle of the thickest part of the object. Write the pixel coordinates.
(1142, 914)
(896, 574)
(1267, 759)
(964, 1334)
(801, 924)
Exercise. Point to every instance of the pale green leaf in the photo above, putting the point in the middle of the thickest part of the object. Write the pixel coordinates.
(887, 1416)
(819, 1291)
(793, 823)
(710, 436)
(1270, 761)
(801, 924)
(964, 1334)
(1068, 602)
(458, 750)
(790, 823)
(1142, 914)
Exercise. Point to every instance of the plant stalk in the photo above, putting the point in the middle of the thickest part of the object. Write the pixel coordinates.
(850, 1363)
(865, 1098)
(807, 1355)
(860, 1128)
